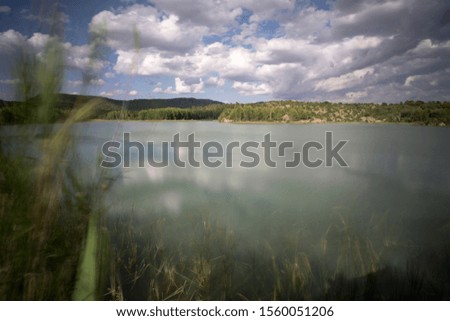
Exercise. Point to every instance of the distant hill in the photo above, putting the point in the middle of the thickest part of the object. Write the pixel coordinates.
(67, 101)
(19, 112)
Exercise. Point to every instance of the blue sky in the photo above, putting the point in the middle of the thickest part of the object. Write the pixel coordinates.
(247, 50)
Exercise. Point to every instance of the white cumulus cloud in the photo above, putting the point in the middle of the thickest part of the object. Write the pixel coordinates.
(187, 86)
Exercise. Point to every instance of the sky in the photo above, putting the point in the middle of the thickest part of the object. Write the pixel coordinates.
(237, 50)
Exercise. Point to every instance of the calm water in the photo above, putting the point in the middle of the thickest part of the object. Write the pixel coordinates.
(395, 191)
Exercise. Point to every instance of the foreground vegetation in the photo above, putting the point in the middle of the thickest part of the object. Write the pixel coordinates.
(46, 211)
(208, 261)
(53, 243)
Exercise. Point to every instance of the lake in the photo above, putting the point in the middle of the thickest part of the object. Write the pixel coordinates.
(388, 207)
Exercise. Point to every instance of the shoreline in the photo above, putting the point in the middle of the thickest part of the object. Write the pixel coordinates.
(249, 122)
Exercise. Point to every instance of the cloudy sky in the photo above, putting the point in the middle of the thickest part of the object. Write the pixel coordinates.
(239, 50)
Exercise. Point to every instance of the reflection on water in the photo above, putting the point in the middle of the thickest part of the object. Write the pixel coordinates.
(403, 160)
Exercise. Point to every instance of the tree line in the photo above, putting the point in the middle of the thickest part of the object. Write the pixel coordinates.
(424, 113)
